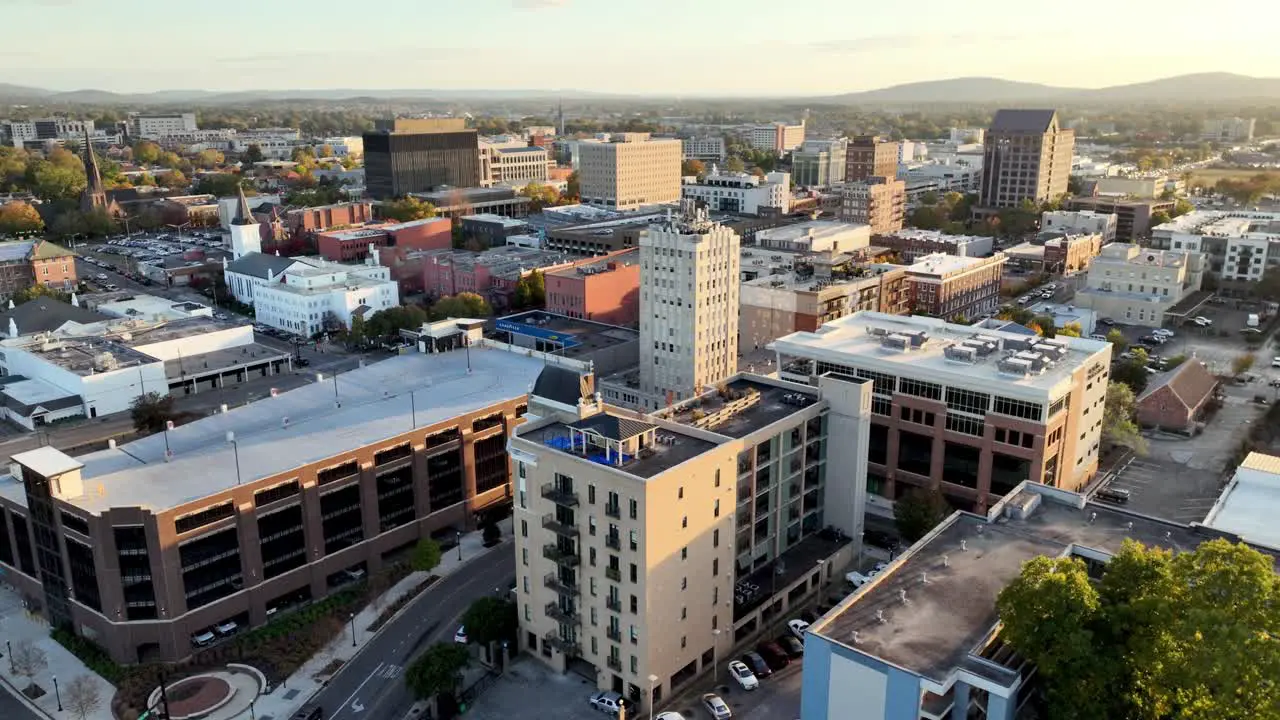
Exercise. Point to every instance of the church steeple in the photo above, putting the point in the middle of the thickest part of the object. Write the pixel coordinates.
(94, 197)
(244, 216)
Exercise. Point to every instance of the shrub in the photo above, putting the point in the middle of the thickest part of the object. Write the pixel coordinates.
(90, 653)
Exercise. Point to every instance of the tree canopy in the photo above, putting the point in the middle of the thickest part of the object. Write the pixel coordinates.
(540, 196)
(1192, 636)
(530, 291)
(693, 168)
(462, 305)
(438, 670)
(407, 209)
(18, 217)
(490, 620)
(223, 185)
(1119, 419)
(426, 555)
(389, 322)
(151, 411)
(919, 511)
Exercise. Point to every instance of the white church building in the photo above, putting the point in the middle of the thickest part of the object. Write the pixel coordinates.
(302, 295)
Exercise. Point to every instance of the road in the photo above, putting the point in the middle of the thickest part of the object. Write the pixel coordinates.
(371, 686)
(11, 708)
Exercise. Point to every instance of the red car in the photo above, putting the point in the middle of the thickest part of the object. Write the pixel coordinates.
(774, 655)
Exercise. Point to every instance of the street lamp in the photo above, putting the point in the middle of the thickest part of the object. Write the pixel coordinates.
(652, 679)
(353, 629)
(458, 537)
(56, 693)
(9, 648)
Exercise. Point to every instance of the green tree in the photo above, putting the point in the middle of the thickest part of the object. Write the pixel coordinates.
(491, 534)
(1133, 372)
(151, 411)
(146, 153)
(735, 165)
(1070, 330)
(693, 168)
(19, 217)
(573, 187)
(175, 179)
(919, 511)
(209, 159)
(530, 291)
(170, 160)
(1119, 419)
(1117, 340)
(388, 323)
(491, 620)
(426, 555)
(223, 185)
(540, 196)
(1241, 364)
(252, 154)
(407, 209)
(1159, 217)
(356, 335)
(1181, 207)
(438, 671)
(13, 169)
(462, 305)
(52, 181)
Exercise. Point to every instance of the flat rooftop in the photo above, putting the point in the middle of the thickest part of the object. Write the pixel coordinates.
(203, 364)
(937, 351)
(88, 356)
(812, 230)
(758, 405)
(1250, 503)
(952, 577)
(654, 460)
(580, 337)
(621, 258)
(505, 222)
(376, 405)
(1224, 223)
(942, 265)
(179, 329)
(937, 236)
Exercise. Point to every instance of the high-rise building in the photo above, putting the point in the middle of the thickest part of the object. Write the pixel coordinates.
(880, 202)
(420, 155)
(1027, 156)
(819, 163)
(631, 171)
(688, 306)
(869, 156)
(779, 138)
(1231, 129)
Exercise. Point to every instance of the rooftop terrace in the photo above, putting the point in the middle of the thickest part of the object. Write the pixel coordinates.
(951, 578)
(745, 406)
(661, 450)
(579, 337)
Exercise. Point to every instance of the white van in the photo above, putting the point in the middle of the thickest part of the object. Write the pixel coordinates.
(1252, 321)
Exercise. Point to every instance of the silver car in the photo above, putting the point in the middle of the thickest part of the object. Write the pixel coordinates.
(716, 707)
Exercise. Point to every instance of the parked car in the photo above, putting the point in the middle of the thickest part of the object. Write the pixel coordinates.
(742, 674)
(1275, 362)
(203, 639)
(757, 665)
(774, 655)
(1162, 332)
(857, 579)
(1202, 321)
(608, 702)
(1106, 321)
(791, 646)
(460, 636)
(797, 628)
(669, 715)
(1250, 331)
(1118, 496)
(226, 629)
(716, 707)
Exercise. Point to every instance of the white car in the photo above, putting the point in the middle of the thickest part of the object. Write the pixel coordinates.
(797, 628)
(1202, 321)
(1275, 362)
(739, 671)
(460, 637)
(716, 707)
(1162, 332)
(669, 715)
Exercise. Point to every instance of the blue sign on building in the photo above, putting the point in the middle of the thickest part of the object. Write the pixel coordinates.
(517, 328)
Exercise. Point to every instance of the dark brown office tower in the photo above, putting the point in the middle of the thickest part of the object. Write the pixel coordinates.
(1027, 157)
(869, 156)
(420, 155)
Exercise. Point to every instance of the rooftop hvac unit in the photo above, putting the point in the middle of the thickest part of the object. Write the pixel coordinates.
(103, 362)
(900, 343)
(877, 331)
(1015, 366)
(979, 347)
(961, 354)
(918, 338)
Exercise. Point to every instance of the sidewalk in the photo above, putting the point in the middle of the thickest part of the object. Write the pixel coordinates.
(16, 625)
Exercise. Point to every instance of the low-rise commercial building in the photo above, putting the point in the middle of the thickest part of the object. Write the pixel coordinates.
(491, 273)
(1140, 286)
(300, 221)
(972, 411)
(1248, 504)
(1085, 222)
(491, 230)
(1239, 246)
(913, 243)
(1133, 216)
(513, 162)
(741, 193)
(878, 202)
(265, 507)
(816, 236)
(457, 202)
(948, 286)
(354, 245)
(1233, 129)
(606, 289)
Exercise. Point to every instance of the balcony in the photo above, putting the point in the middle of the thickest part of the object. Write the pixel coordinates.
(549, 522)
(561, 615)
(614, 634)
(614, 664)
(564, 645)
(613, 511)
(559, 584)
(613, 573)
(560, 556)
(613, 541)
(614, 604)
(559, 495)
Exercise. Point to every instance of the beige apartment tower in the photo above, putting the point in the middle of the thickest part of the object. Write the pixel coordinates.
(629, 172)
(880, 202)
(688, 306)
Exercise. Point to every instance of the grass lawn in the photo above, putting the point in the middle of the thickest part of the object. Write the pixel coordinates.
(1210, 176)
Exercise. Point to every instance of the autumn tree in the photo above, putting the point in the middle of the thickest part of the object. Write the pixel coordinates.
(209, 159)
(540, 196)
(407, 209)
(573, 187)
(1120, 419)
(1117, 340)
(146, 152)
(693, 168)
(438, 670)
(18, 217)
(462, 305)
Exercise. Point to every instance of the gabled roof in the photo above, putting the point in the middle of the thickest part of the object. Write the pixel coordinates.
(1191, 383)
(44, 314)
(558, 384)
(1028, 121)
(257, 265)
(612, 426)
(45, 250)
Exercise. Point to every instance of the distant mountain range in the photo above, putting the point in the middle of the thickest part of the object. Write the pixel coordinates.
(1202, 88)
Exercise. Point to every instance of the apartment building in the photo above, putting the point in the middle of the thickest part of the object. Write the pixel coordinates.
(779, 138)
(879, 202)
(420, 155)
(630, 172)
(948, 286)
(972, 411)
(688, 306)
(1140, 286)
(705, 149)
(606, 290)
(649, 546)
(740, 193)
(870, 156)
(355, 245)
(1027, 156)
(20, 133)
(1239, 245)
(24, 263)
(160, 125)
(237, 516)
(912, 244)
(1071, 253)
(513, 163)
(820, 163)
(1086, 222)
(1133, 216)
(1233, 129)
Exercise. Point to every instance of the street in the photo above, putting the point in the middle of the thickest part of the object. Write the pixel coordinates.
(372, 684)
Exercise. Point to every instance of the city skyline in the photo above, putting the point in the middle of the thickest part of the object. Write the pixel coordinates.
(629, 47)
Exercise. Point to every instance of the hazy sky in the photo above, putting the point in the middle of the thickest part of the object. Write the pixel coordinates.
(665, 47)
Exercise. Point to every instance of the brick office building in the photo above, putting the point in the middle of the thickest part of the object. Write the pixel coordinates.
(353, 245)
(25, 263)
(323, 217)
(606, 289)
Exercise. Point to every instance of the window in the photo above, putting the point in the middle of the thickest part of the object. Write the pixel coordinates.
(968, 401)
(526, 584)
(680, 493)
(634, 508)
(634, 540)
(684, 583)
(715, 596)
(1018, 408)
(715, 538)
(524, 528)
(1060, 404)
(524, 556)
(919, 388)
(684, 521)
(591, 494)
(591, 555)
(684, 613)
(966, 425)
(635, 605)
(717, 508)
(715, 567)
(591, 524)
(634, 573)
(717, 482)
(591, 586)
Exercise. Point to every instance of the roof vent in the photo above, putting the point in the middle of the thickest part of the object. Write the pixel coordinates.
(902, 597)
(880, 617)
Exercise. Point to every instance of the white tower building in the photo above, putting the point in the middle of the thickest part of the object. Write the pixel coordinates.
(246, 237)
(688, 305)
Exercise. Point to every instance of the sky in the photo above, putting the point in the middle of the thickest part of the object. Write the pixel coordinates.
(652, 47)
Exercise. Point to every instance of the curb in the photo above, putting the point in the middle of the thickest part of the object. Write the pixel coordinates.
(13, 690)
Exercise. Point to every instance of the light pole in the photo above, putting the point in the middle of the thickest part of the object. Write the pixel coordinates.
(458, 537)
(353, 629)
(235, 446)
(715, 655)
(9, 648)
(652, 680)
(251, 715)
(56, 693)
